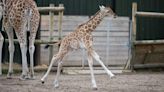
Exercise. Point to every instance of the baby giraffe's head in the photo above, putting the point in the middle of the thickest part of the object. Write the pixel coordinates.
(107, 11)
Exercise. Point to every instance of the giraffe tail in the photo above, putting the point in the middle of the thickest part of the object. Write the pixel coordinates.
(52, 43)
(28, 15)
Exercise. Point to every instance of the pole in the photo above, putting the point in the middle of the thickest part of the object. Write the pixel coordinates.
(60, 22)
(134, 29)
(134, 26)
(51, 22)
(150, 14)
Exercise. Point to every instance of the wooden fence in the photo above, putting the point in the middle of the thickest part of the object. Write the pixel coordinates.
(145, 53)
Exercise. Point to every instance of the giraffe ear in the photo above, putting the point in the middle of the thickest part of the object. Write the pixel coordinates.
(102, 7)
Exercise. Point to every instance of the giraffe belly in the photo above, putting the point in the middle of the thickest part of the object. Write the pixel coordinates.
(74, 44)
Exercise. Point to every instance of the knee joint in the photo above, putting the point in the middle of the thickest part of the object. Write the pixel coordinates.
(11, 48)
(32, 48)
(60, 63)
(91, 63)
(96, 56)
(1, 39)
(23, 45)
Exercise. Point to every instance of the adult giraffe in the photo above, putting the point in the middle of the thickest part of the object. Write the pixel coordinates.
(21, 15)
(82, 38)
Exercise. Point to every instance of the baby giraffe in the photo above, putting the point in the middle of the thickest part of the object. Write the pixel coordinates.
(82, 38)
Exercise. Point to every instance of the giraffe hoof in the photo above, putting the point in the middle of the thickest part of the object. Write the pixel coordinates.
(56, 84)
(9, 76)
(112, 76)
(94, 88)
(42, 81)
(32, 77)
(22, 77)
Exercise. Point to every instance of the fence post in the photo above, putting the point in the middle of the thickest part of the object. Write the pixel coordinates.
(134, 27)
(129, 62)
(51, 22)
(134, 30)
(60, 22)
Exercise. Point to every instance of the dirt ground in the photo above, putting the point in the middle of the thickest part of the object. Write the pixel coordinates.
(129, 82)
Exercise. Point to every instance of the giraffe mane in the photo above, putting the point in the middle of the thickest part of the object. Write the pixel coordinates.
(89, 19)
(93, 16)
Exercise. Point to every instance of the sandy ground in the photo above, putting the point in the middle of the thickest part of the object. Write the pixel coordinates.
(129, 82)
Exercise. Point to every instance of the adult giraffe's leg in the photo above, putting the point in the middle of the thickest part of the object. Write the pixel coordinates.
(1, 45)
(21, 35)
(10, 34)
(90, 62)
(31, 51)
(97, 58)
(32, 26)
(56, 82)
(1, 42)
